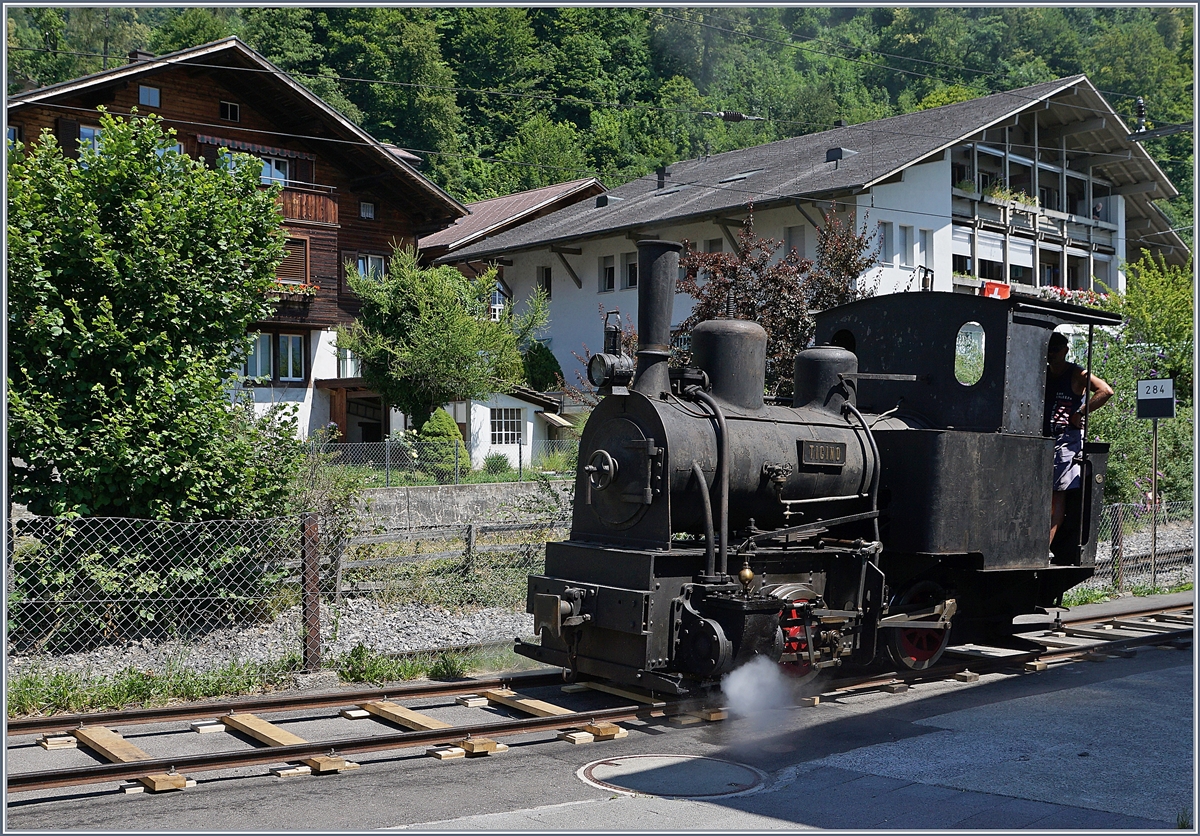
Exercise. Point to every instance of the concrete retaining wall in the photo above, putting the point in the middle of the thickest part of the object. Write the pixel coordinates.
(439, 505)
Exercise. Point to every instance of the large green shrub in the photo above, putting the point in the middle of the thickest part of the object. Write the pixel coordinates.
(133, 274)
(439, 436)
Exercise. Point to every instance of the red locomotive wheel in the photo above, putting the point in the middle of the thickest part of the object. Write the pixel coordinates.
(915, 648)
(794, 642)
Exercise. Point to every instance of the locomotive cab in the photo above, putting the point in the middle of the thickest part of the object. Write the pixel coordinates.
(965, 487)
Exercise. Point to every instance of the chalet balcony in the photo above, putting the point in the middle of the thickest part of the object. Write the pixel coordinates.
(309, 202)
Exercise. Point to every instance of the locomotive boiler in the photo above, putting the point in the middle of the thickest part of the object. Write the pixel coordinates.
(886, 504)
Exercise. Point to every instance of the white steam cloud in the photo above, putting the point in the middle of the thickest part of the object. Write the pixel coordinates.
(755, 690)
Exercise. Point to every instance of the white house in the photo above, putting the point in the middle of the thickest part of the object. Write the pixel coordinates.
(522, 425)
(1033, 187)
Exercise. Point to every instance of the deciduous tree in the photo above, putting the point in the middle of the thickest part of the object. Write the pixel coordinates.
(426, 336)
(780, 294)
(134, 272)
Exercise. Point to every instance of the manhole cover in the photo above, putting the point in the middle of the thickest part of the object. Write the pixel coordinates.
(672, 776)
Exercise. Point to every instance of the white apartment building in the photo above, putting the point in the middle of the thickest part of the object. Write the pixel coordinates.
(1033, 187)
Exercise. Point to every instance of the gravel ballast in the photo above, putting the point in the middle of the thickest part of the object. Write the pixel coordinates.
(343, 626)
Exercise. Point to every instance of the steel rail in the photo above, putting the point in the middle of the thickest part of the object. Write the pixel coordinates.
(49, 779)
(944, 669)
(194, 711)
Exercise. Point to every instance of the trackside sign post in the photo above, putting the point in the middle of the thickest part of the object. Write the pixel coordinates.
(1155, 399)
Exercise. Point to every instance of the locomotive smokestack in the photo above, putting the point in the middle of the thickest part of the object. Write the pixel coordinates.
(658, 270)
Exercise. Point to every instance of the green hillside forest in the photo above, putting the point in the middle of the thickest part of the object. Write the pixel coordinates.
(502, 99)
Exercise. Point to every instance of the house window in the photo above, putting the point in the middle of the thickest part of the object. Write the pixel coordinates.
(348, 364)
(714, 245)
(258, 361)
(294, 267)
(148, 96)
(89, 137)
(543, 281)
(366, 210)
(925, 258)
(961, 263)
(507, 426)
(795, 240)
(887, 247)
(499, 300)
(608, 274)
(291, 357)
(629, 275)
(906, 246)
(1048, 198)
(371, 266)
(275, 170)
(961, 177)
(231, 111)
(993, 271)
(14, 133)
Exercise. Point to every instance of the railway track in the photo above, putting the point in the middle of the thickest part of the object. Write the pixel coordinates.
(1095, 638)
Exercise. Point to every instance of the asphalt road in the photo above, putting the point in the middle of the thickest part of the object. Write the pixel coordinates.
(1082, 745)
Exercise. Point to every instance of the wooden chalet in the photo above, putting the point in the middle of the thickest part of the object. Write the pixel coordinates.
(347, 199)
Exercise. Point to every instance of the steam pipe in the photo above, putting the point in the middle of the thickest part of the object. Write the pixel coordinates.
(658, 268)
(849, 407)
(710, 553)
(722, 469)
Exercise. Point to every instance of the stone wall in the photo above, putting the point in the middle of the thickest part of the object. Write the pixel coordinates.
(443, 505)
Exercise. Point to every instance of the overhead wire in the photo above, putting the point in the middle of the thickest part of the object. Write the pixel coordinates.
(926, 61)
(753, 193)
(871, 127)
(874, 65)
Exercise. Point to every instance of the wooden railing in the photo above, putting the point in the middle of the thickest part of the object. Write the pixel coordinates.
(309, 202)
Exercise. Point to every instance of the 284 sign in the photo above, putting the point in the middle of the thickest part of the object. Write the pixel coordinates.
(1156, 398)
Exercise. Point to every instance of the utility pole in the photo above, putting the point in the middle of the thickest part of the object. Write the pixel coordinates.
(104, 64)
(1166, 130)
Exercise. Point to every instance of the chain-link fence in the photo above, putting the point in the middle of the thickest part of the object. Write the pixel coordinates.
(558, 456)
(1132, 555)
(95, 596)
(103, 595)
(402, 462)
(76, 584)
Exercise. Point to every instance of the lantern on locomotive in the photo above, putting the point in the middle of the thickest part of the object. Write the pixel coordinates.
(710, 527)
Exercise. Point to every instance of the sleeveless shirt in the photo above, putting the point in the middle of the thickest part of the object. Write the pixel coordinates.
(1061, 401)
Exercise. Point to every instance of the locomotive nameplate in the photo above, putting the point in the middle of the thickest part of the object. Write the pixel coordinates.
(823, 453)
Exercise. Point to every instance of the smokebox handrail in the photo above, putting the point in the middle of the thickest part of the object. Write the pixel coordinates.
(722, 469)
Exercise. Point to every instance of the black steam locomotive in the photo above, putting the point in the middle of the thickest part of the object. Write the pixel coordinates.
(887, 504)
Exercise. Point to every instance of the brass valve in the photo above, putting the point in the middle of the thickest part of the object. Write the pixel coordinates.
(746, 576)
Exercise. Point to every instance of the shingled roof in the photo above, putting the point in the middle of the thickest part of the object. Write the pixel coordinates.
(291, 106)
(490, 217)
(797, 168)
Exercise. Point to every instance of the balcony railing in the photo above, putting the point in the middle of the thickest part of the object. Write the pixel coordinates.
(309, 202)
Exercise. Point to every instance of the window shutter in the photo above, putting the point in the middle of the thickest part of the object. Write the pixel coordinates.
(302, 171)
(67, 133)
(209, 154)
(346, 266)
(294, 267)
